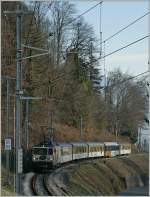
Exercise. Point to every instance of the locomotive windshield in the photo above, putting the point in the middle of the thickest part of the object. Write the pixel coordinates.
(39, 151)
(42, 151)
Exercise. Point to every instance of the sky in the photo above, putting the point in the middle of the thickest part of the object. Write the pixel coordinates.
(116, 15)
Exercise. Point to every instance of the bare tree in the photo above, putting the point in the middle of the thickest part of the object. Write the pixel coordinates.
(125, 103)
(61, 14)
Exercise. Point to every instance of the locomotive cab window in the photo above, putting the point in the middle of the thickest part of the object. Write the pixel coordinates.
(50, 151)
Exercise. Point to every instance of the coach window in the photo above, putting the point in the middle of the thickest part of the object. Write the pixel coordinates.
(70, 151)
(63, 151)
(80, 149)
(76, 150)
(83, 149)
(90, 149)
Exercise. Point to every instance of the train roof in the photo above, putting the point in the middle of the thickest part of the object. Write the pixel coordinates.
(111, 143)
(43, 146)
(124, 143)
(69, 144)
(65, 144)
(79, 143)
(95, 143)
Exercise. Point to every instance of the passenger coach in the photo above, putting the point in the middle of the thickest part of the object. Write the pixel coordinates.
(111, 149)
(96, 149)
(125, 148)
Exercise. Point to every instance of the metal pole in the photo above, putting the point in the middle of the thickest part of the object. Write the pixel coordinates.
(100, 5)
(116, 130)
(7, 130)
(26, 124)
(81, 125)
(18, 84)
(14, 142)
(52, 134)
(149, 72)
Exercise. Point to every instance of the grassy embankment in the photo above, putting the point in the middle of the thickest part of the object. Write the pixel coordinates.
(104, 177)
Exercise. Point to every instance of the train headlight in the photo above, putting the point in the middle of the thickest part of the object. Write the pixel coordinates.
(49, 158)
(34, 158)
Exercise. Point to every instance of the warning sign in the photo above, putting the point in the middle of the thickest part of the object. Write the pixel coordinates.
(8, 144)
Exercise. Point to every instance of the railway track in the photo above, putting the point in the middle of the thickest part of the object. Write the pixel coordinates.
(39, 185)
(50, 184)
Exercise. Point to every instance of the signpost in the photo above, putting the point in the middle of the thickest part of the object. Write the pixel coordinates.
(8, 144)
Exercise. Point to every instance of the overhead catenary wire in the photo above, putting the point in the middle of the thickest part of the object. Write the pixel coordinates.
(74, 19)
(122, 29)
(84, 13)
(115, 33)
(117, 50)
(95, 60)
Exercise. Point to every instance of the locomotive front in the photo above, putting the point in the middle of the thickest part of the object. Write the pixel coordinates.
(42, 157)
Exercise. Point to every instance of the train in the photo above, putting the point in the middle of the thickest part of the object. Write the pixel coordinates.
(52, 155)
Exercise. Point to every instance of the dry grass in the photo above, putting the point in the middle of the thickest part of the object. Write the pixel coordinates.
(105, 177)
(7, 191)
(68, 133)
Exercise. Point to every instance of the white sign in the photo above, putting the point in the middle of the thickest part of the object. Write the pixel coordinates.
(8, 144)
(20, 160)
